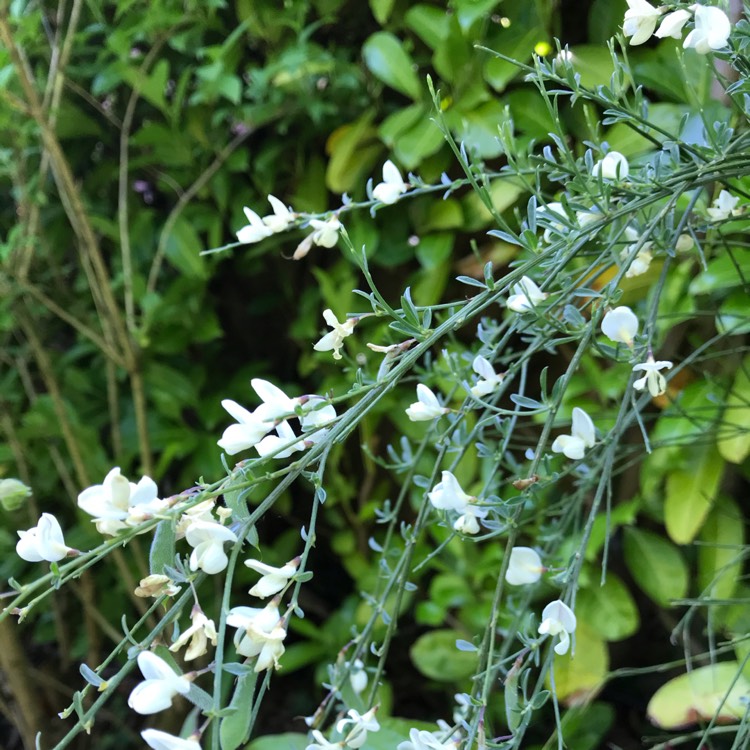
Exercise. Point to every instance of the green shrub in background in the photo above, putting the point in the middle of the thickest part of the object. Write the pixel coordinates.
(543, 429)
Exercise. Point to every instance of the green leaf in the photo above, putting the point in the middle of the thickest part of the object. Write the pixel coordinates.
(733, 439)
(353, 149)
(435, 655)
(608, 609)
(234, 729)
(478, 129)
(696, 696)
(656, 565)
(434, 249)
(385, 56)
(286, 741)
(162, 550)
(719, 557)
(594, 64)
(429, 23)
(722, 273)
(734, 314)
(690, 493)
(382, 9)
(184, 248)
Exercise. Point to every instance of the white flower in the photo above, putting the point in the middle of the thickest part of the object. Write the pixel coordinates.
(201, 631)
(672, 24)
(248, 431)
(582, 436)
(421, 739)
(640, 263)
(361, 725)
(468, 522)
(316, 417)
(281, 217)
(260, 632)
(614, 166)
(620, 325)
(558, 619)
(489, 379)
(335, 339)
(326, 233)
(118, 503)
(723, 207)
(159, 740)
(272, 579)
(428, 407)
(526, 295)
(207, 539)
(448, 495)
(255, 231)
(551, 210)
(157, 585)
(358, 676)
(321, 743)
(276, 403)
(280, 444)
(711, 32)
(655, 381)
(525, 566)
(640, 21)
(43, 542)
(392, 187)
(155, 693)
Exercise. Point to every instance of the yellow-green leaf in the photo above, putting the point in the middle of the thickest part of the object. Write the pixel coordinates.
(579, 677)
(691, 492)
(697, 696)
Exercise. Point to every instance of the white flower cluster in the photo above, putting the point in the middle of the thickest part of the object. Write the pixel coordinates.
(325, 232)
(710, 33)
(253, 428)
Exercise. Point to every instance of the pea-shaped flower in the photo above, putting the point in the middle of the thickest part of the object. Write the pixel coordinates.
(614, 166)
(526, 295)
(448, 495)
(620, 325)
(640, 21)
(427, 407)
(392, 187)
(272, 579)
(207, 539)
(162, 683)
(524, 567)
(558, 620)
(653, 379)
(582, 436)
(43, 542)
(711, 32)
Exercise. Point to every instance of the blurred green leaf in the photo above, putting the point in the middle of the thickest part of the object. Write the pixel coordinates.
(690, 492)
(435, 655)
(656, 564)
(609, 609)
(386, 58)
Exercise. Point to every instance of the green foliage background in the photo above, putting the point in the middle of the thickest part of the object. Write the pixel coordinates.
(131, 142)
